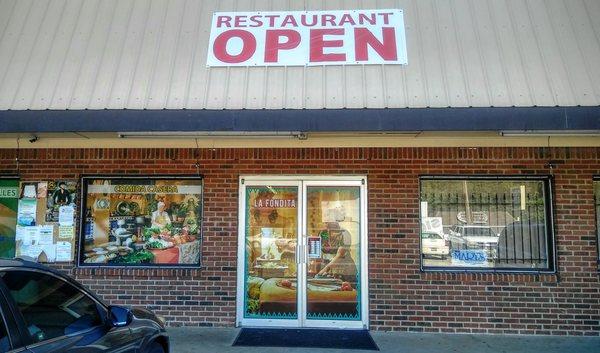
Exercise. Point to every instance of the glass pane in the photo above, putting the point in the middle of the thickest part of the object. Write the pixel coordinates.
(4, 340)
(494, 224)
(142, 222)
(51, 307)
(333, 282)
(271, 233)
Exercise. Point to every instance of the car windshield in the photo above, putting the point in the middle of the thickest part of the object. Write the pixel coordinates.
(431, 236)
(478, 232)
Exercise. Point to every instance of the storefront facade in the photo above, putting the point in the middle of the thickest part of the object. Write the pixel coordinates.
(459, 195)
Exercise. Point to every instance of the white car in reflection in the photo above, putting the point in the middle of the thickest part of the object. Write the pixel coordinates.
(433, 244)
(474, 237)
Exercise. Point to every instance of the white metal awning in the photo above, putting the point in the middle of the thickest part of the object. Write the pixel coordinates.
(151, 54)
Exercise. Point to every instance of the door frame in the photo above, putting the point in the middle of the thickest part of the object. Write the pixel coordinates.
(302, 181)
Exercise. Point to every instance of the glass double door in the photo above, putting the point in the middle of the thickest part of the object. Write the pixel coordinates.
(302, 252)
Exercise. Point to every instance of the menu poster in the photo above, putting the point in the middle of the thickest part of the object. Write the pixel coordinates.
(9, 198)
(60, 193)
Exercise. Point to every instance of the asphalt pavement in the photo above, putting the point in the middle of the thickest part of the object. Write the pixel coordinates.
(219, 340)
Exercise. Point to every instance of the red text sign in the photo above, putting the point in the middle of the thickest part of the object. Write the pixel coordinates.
(299, 38)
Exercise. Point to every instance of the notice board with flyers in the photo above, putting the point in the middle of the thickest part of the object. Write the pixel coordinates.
(45, 220)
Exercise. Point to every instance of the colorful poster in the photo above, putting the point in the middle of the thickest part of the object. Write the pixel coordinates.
(146, 221)
(9, 198)
(26, 215)
(60, 193)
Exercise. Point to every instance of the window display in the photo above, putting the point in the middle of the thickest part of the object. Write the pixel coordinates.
(271, 239)
(484, 223)
(329, 253)
(333, 281)
(145, 221)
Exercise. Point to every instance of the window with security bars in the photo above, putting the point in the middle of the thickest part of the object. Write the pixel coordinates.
(484, 223)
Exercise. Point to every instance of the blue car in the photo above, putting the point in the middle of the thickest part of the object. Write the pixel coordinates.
(43, 311)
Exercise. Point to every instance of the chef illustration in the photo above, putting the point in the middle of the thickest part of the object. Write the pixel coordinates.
(160, 217)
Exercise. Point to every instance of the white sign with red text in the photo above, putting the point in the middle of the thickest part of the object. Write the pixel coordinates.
(307, 38)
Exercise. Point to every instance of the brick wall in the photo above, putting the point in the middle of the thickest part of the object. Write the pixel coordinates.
(402, 298)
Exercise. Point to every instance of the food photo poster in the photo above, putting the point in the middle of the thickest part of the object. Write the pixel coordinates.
(141, 222)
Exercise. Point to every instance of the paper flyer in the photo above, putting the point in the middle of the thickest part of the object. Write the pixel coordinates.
(65, 215)
(42, 190)
(63, 251)
(26, 213)
(46, 235)
(66, 232)
(48, 253)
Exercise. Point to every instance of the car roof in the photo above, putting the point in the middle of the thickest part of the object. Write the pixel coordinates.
(23, 263)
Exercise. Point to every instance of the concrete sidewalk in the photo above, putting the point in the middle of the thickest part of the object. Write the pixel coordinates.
(218, 340)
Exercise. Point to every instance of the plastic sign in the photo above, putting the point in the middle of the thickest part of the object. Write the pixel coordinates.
(307, 38)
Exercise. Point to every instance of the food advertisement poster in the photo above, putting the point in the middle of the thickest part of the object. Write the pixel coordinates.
(141, 221)
(9, 198)
(59, 193)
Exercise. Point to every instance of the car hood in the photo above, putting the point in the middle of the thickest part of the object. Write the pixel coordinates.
(145, 314)
(482, 239)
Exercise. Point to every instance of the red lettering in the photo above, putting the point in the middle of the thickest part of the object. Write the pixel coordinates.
(240, 21)
(385, 15)
(272, 19)
(273, 44)
(363, 38)
(363, 17)
(256, 21)
(305, 23)
(317, 43)
(347, 18)
(223, 20)
(289, 19)
(328, 19)
(248, 48)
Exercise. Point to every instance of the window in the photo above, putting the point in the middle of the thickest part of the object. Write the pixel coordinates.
(499, 224)
(4, 339)
(597, 207)
(50, 306)
(141, 221)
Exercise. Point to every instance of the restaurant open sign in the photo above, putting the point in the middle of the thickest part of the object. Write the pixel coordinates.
(299, 38)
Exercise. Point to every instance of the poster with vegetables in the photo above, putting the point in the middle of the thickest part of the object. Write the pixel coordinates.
(141, 222)
(9, 198)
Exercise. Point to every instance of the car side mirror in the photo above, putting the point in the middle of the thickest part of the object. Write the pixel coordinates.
(119, 316)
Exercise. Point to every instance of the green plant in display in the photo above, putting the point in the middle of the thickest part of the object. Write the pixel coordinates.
(137, 257)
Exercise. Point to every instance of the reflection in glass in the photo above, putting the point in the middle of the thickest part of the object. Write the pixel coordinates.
(484, 223)
(271, 233)
(333, 285)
